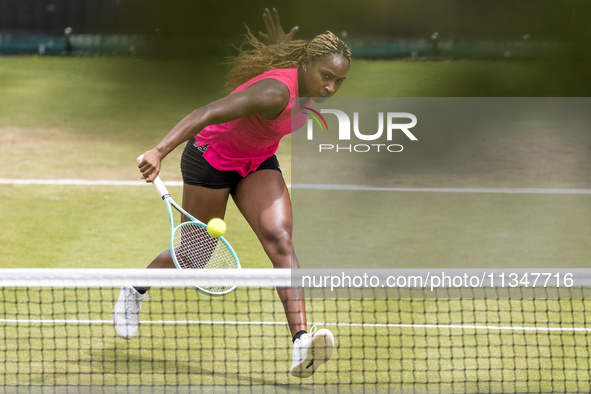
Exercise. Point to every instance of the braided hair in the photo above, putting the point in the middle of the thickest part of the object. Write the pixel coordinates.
(292, 54)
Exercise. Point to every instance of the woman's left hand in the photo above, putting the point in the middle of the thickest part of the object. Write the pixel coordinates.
(275, 34)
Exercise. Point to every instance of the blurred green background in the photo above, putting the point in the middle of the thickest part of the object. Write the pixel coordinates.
(554, 35)
(376, 27)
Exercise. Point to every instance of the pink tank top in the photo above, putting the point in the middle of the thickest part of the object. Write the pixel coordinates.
(243, 144)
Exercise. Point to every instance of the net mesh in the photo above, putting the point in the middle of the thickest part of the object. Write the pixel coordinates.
(60, 334)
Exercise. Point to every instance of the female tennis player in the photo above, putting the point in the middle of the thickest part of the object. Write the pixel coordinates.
(231, 152)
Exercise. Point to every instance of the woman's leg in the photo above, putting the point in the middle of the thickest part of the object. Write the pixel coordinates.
(264, 200)
(204, 204)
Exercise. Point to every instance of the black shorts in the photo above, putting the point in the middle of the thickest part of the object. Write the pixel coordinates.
(197, 171)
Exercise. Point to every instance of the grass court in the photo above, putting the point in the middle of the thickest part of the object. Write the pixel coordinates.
(88, 118)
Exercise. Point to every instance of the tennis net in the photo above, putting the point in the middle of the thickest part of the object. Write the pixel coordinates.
(57, 333)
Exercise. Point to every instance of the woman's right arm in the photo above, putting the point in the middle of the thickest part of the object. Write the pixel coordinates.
(267, 97)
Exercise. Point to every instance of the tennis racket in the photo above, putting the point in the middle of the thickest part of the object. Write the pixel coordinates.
(191, 245)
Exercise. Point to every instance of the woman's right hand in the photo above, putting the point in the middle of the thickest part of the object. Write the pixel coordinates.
(150, 165)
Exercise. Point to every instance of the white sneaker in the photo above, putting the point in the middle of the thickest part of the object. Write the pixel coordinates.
(126, 312)
(310, 351)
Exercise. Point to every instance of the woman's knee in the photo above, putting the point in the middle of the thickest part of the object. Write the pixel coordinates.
(277, 242)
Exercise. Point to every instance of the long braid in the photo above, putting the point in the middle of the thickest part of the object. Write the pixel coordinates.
(260, 58)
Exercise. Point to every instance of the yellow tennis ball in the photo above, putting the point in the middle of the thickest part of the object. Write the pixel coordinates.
(216, 227)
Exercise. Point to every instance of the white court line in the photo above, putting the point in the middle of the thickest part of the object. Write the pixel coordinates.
(497, 190)
(490, 190)
(78, 182)
(271, 323)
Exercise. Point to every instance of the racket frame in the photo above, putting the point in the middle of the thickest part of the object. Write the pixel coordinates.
(171, 203)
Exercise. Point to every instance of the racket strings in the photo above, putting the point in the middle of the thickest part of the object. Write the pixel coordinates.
(194, 248)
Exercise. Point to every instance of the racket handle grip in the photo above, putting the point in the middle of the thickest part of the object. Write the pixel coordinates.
(158, 184)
